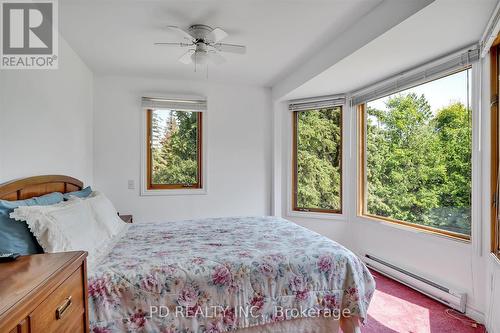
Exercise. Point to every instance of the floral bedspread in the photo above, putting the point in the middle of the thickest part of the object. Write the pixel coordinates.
(217, 275)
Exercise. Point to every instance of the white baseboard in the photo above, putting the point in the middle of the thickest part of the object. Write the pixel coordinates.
(476, 315)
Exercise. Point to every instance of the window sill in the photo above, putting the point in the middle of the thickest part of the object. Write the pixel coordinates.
(173, 192)
(316, 215)
(410, 228)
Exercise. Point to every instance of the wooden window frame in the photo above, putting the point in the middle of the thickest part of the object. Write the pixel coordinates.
(295, 207)
(495, 144)
(149, 140)
(362, 202)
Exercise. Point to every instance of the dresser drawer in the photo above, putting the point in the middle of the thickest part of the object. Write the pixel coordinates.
(63, 310)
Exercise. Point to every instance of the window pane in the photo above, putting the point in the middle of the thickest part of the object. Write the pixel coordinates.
(318, 159)
(418, 162)
(174, 147)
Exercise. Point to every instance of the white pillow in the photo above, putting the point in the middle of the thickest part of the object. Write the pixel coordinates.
(67, 226)
(105, 214)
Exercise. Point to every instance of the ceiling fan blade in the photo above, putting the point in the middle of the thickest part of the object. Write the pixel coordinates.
(216, 58)
(174, 44)
(186, 57)
(180, 32)
(217, 35)
(231, 48)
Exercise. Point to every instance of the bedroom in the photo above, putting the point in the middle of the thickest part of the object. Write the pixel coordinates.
(91, 111)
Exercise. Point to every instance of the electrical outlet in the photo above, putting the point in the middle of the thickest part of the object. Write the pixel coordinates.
(131, 184)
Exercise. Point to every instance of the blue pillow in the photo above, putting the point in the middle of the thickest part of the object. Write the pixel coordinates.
(15, 236)
(80, 194)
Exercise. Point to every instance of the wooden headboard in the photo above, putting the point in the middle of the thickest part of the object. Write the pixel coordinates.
(26, 188)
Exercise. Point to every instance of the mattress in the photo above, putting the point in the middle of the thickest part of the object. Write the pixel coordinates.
(226, 274)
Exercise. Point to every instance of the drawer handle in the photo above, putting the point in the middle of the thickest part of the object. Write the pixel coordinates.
(62, 309)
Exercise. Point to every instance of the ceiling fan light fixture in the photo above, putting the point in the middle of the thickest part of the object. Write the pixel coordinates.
(200, 57)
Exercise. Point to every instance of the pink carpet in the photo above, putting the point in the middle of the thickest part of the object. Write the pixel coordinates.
(397, 308)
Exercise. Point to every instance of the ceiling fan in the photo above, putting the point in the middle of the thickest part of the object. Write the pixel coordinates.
(204, 44)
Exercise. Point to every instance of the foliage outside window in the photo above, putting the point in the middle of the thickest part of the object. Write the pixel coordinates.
(317, 160)
(417, 162)
(174, 149)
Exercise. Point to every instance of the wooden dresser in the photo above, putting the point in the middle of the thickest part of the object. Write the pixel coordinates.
(44, 293)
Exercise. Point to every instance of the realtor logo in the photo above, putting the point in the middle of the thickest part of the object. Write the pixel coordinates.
(29, 34)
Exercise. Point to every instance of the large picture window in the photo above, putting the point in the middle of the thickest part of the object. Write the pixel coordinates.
(317, 160)
(416, 156)
(174, 149)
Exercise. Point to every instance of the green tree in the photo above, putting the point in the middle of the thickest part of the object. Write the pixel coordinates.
(419, 164)
(176, 159)
(453, 127)
(319, 158)
(157, 134)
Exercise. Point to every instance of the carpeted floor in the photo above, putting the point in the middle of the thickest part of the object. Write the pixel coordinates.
(397, 308)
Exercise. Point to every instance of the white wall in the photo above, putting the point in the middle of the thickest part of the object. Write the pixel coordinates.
(238, 129)
(46, 120)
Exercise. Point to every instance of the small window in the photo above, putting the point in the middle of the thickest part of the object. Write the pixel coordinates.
(416, 162)
(317, 160)
(174, 149)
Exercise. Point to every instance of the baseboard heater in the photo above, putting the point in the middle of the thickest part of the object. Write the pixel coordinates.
(449, 297)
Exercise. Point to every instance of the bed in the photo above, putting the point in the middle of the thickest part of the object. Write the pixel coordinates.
(243, 274)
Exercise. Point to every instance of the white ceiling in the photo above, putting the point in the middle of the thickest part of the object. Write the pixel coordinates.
(117, 36)
(438, 29)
